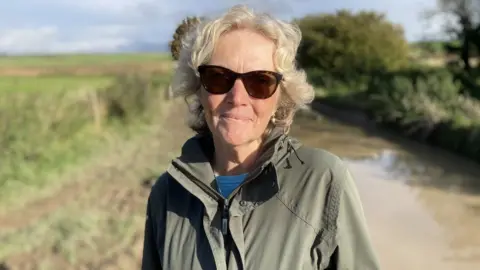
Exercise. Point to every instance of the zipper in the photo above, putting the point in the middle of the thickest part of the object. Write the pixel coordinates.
(225, 217)
(227, 239)
(204, 187)
(223, 202)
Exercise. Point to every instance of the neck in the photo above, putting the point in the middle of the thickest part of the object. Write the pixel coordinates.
(231, 160)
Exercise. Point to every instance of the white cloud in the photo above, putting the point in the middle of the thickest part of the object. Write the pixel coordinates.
(165, 9)
(95, 5)
(21, 38)
(126, 9)
(49, 39)
(107, 30)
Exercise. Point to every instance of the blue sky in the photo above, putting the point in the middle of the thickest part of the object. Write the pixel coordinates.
(62, 26)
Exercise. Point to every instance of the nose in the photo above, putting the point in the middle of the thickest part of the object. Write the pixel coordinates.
(238, 94)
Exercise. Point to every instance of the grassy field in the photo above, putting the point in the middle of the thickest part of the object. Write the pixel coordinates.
(96, 221)
(53, 83)
(51, 122)
(98, 218)
(83, 65)
(79, 134)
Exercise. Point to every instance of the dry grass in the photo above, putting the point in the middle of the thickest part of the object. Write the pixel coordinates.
(98, 221)
(78, 134)
(73, 232)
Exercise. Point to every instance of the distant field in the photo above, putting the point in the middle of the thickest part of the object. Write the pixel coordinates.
(84, 65)
(52, 83)
(71, 72)
(57, 99)
(81, 59)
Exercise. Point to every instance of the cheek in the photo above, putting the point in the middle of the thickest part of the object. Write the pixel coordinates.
(209, 102)
(264, 109)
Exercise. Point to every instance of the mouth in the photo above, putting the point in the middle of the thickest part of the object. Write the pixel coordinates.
(235, 117)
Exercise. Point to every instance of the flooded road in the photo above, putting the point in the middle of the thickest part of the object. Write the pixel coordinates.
(422, 204)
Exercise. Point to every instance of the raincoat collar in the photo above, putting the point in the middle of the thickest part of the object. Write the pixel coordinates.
(193, 170)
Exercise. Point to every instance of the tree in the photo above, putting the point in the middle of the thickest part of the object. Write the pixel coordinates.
(461, 22)
(176, 43)
(351, 43)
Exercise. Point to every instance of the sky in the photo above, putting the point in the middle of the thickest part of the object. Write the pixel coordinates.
(67, 26)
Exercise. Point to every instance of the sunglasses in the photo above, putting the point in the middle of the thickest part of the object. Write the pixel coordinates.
(260, 84)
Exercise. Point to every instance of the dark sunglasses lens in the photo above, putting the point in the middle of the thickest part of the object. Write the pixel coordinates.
(216, 80)
(260, 84)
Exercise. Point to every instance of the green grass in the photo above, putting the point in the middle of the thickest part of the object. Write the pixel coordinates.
(29, 168)
(52, 83)
(53, 125)
(80, 59)
(44, 133)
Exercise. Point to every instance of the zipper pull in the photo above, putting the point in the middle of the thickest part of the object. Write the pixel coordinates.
(225, 217)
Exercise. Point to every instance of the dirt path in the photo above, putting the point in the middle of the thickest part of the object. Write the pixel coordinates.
(84, 70)
(418, 227)
(100, 212)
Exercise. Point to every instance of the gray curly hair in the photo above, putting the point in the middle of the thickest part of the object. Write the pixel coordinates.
(198, 46)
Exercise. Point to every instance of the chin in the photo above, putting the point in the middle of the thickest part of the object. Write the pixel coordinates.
(235, 138)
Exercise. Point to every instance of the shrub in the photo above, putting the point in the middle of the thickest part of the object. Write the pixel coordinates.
(176, 43)
(470, 83)
(333, 85)
(413, 99)
(34, 125)
(347, 44)
(130, 97)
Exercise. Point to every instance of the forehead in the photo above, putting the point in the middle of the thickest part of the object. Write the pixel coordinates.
(244, 50)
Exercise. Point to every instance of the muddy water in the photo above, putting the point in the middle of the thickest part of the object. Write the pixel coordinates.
(422, 204)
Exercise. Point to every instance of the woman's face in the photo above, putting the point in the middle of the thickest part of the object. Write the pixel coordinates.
(235, 117)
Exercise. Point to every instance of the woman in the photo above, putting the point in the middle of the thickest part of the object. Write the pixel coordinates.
(243, 194)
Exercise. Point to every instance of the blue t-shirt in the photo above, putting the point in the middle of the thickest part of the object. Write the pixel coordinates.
(226, 184)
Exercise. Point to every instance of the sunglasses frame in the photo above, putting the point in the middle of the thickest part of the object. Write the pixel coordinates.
(278, 77)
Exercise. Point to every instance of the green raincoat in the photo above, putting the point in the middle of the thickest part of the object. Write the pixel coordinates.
(297, 209)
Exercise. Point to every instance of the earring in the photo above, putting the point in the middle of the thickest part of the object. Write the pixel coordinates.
(274, 120)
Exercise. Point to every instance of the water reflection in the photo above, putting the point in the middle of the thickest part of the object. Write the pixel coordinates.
(441, 191)
(415, 163)
(454, 176)
(345, 141)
